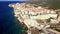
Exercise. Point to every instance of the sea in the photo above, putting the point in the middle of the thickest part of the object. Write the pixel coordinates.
(8, 24)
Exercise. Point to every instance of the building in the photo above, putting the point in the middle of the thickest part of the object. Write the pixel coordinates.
(29, 14)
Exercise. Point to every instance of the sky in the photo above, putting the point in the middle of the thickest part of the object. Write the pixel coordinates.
(19, 0)
(23, 0)
(12, 0)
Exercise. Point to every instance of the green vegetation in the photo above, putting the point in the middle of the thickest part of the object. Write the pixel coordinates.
(52, 4)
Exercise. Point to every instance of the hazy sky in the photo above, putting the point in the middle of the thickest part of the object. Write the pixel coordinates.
(18, 0)
(12, 0)
(23, 0)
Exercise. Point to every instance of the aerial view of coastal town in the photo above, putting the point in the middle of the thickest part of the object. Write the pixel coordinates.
(37, 19)
(30, 17)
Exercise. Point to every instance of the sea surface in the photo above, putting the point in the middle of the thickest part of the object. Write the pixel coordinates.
(8, 24)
